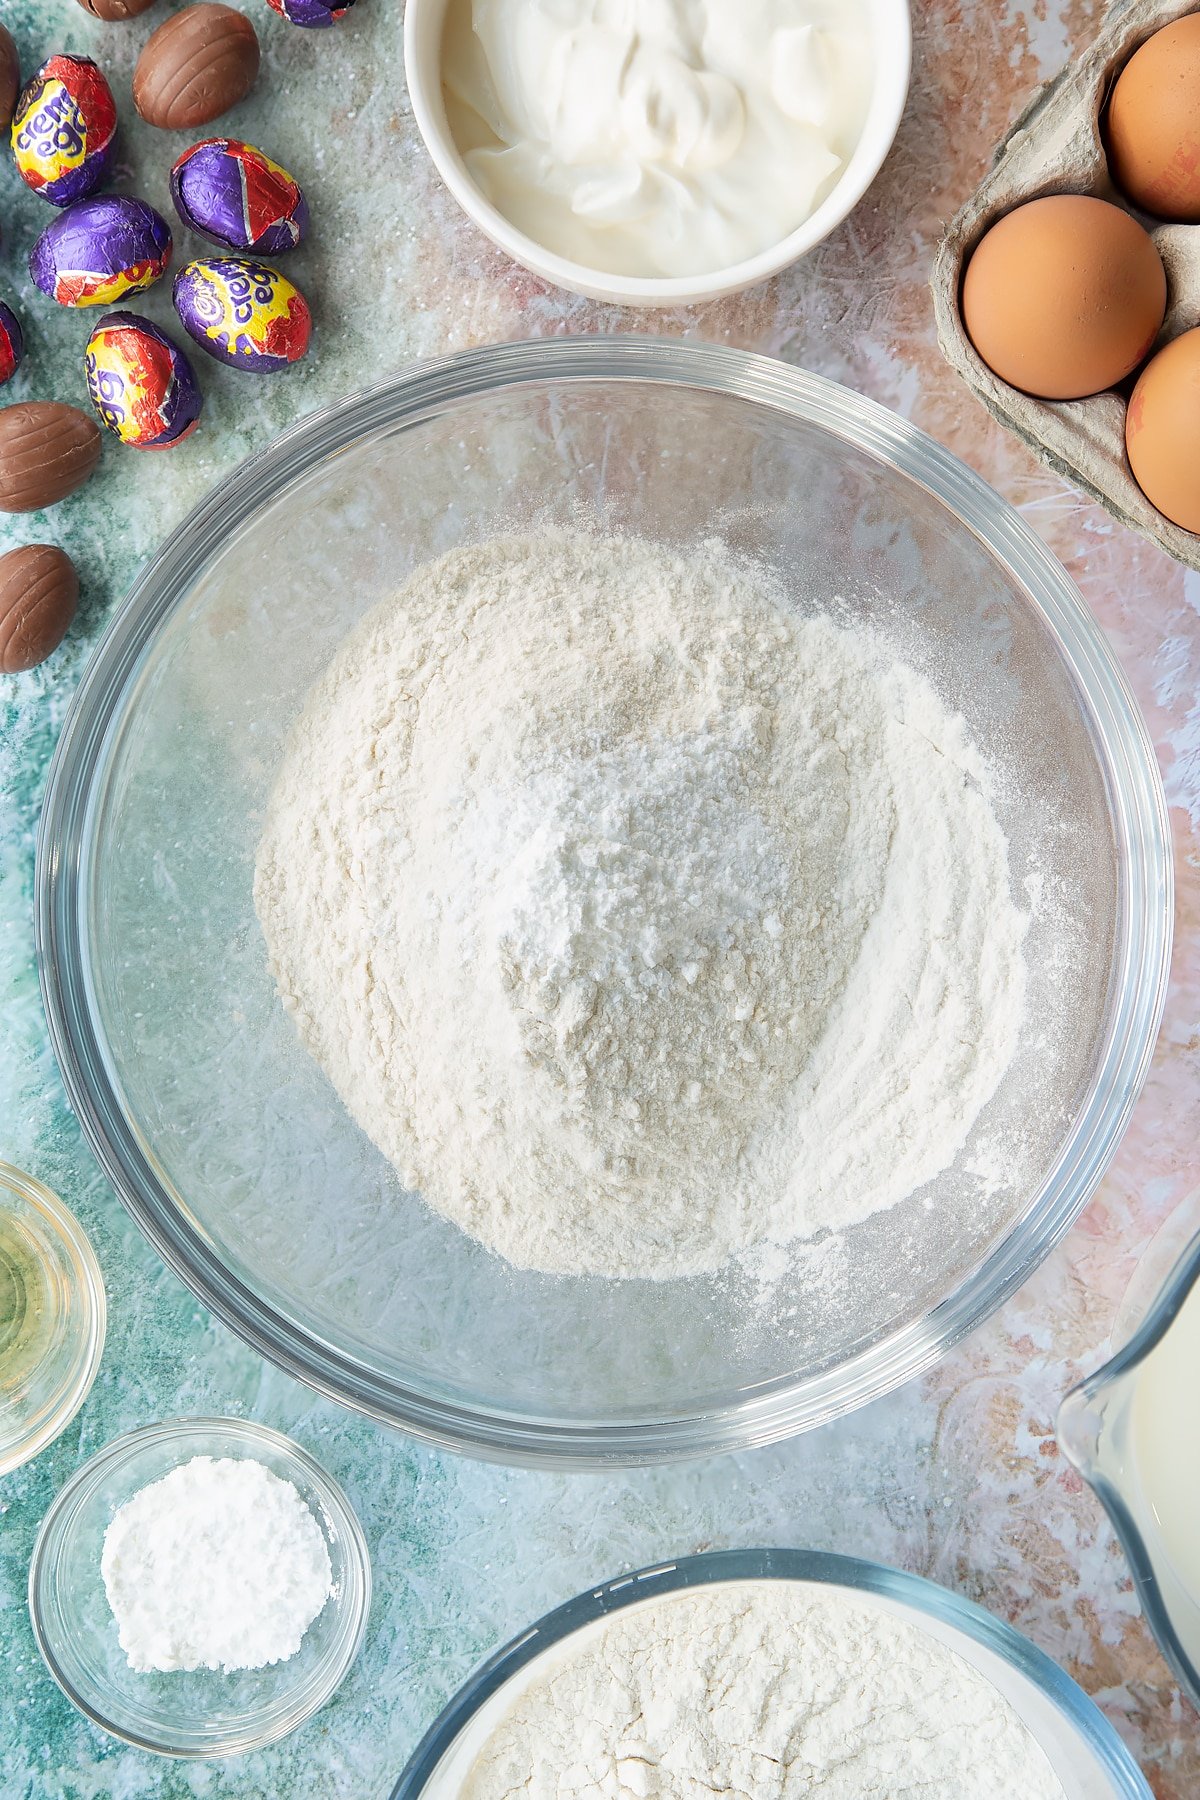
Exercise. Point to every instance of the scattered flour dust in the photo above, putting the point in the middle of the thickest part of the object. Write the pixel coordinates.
(637, 919)
(780, 1691)
(218, 1565)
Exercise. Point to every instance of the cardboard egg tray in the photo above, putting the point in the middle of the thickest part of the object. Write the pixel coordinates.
(1056, 147)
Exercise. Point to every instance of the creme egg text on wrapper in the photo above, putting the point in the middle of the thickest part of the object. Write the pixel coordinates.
(64, 130)
(245, 314)
(141, 384)
(1064, 296)
(100, 250)
(234, 194)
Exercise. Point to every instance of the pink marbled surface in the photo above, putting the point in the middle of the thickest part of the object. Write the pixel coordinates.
(1005, 1519)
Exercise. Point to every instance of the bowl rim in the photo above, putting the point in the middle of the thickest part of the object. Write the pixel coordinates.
(62, 1515)
(816, 1567)
(774, 1410)
(89, 1294)
(889, 95)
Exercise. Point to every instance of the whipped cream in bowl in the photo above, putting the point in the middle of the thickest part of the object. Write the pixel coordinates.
(657, 151)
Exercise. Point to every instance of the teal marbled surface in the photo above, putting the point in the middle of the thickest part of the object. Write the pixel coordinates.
(956, 1477)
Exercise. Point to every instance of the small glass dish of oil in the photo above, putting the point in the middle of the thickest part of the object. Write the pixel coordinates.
(52, 1315)
(1133, 1431)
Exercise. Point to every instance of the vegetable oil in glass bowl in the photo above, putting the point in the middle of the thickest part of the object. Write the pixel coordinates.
(51, 1317)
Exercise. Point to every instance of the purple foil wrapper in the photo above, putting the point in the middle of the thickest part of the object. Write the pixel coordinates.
(313, 13)
(101, 250)
(235, 195)
(245, 314)
(64, 130)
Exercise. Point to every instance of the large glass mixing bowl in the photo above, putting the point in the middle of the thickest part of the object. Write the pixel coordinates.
(227, 1143)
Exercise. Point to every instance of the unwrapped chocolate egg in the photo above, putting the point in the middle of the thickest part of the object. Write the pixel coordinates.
(101, 250)
(245, 314)
(117, 11)
(64, 130)
(313, 13)
(39, 592)
(47, 450)
(12, 343)
(1064, 296)
(198, 64)
(1162, 431)
(141, 383)
(10, 76)
(232, 193)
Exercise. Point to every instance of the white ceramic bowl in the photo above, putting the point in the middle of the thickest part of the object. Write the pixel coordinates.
(891, 30)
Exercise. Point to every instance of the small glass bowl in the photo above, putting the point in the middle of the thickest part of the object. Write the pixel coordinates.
(201, 1712)
(52, 1316)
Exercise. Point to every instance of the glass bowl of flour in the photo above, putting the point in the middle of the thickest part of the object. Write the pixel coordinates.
(181, 1673)
(605, 901)
(753, 1670)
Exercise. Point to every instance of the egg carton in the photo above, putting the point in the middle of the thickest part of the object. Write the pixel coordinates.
(1056, 147)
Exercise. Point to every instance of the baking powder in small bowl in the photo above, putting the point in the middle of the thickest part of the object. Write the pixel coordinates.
(217, 1565)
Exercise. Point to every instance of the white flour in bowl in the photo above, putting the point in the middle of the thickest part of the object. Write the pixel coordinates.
(779, 1691)
(638, 920)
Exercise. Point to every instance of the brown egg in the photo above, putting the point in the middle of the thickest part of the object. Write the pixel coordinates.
(39, 591)
(1064, 296)
(1162, 431)
(1153, 125)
